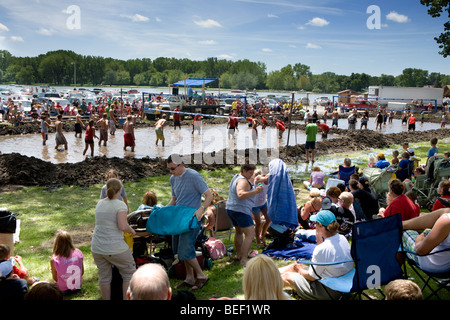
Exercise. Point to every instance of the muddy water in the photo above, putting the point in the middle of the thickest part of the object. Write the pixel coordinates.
(210, 138)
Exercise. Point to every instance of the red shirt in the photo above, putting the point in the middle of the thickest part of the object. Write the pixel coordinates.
(176, 115)
(197, 117)
(280, 126)
(438, 204)
(403, 205)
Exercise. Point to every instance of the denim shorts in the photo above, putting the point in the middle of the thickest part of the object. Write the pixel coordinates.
(257, 210)
(184, 244)
(239, 219)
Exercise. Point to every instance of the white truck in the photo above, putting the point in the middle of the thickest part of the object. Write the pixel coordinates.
(384, 95)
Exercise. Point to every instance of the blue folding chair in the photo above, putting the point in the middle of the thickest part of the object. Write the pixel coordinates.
(433, 281)
(344, 173)
(374, 248)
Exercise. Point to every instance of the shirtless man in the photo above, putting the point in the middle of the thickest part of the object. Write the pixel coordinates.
(335, 117)
(78, 125)
(255, 123)
(60, 138)
(159, 129)
(103, 125)
(128, 128)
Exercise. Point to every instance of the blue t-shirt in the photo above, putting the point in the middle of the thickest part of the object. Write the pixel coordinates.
(403, 174)
(382, 164)
(188, 188)
(432, 151)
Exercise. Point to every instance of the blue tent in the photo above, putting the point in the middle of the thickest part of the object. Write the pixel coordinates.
(194, 82)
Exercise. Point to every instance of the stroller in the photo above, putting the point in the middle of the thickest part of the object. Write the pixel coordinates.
(145, 240)
(426, 184)
(379, 181)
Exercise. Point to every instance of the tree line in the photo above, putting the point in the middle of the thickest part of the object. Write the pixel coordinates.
(64, 67)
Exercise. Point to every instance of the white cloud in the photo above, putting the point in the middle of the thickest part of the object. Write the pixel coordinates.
(3, 28)
(301, 28)
(270, 15)
(135, 18)
(209, 23)
(225, 56)
(266, 50)
(312, 46)
(208, 42)
(158, 19)
(396, 17)
(16, 39)
(45, 32)
(292, 46)
(318, 22)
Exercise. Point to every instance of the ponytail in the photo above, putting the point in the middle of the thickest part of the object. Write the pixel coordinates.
(112, 187)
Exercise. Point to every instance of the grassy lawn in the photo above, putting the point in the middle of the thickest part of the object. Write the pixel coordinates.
(43, 211)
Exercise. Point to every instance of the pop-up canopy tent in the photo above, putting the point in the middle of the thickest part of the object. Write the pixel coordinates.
(194, 82)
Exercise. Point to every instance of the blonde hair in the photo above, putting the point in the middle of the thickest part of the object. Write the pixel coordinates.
(262, 280)
(112, 174)
(63, 244)
(402, 289)
(112, 187)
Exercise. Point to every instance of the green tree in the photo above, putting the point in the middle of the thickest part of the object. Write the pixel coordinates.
(436, 7)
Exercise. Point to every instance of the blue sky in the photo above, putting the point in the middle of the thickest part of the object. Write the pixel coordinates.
(327, 35)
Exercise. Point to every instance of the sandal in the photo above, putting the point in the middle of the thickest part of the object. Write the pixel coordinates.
(200, 283)
(184, 284)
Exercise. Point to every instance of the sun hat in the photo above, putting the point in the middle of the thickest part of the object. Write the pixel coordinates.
(5, 268)
(324, 217)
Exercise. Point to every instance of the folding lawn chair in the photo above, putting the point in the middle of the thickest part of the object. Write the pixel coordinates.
(345, 173)
(374, 248)
(433, 281)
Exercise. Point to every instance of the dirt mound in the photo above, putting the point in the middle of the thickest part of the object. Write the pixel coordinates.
(16, 169)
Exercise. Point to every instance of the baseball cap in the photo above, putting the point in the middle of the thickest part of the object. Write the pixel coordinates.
(324, 217)
(364, 181)
(326, 203)
(380, 154)
(5, 268)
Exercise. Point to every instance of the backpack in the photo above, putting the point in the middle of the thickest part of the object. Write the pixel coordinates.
(216, 248)
(445, 202)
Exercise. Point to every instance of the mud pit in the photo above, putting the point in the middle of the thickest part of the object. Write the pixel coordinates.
(16, 169)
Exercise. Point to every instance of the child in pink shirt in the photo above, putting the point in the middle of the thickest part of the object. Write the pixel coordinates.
(66, 264)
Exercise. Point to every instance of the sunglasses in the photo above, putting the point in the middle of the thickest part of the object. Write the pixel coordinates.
(173, 168)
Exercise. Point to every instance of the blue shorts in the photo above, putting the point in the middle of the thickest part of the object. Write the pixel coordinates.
(184, 244)
(257, 210)
(310, 145)
(239, 219)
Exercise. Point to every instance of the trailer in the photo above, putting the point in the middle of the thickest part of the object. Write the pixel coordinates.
(383, 95)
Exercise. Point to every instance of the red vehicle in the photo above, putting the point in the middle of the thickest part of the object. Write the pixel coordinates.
(362, 104)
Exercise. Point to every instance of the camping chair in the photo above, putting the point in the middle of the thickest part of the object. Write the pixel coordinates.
(374, 248)
(434, 281)
(345, 173)
(223, 222)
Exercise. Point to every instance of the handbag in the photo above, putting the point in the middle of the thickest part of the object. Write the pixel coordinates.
(8, 222)
(172, 220)
(216, 248)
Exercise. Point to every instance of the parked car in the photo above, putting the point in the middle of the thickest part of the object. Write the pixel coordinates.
(362, 104)
(226, 106)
